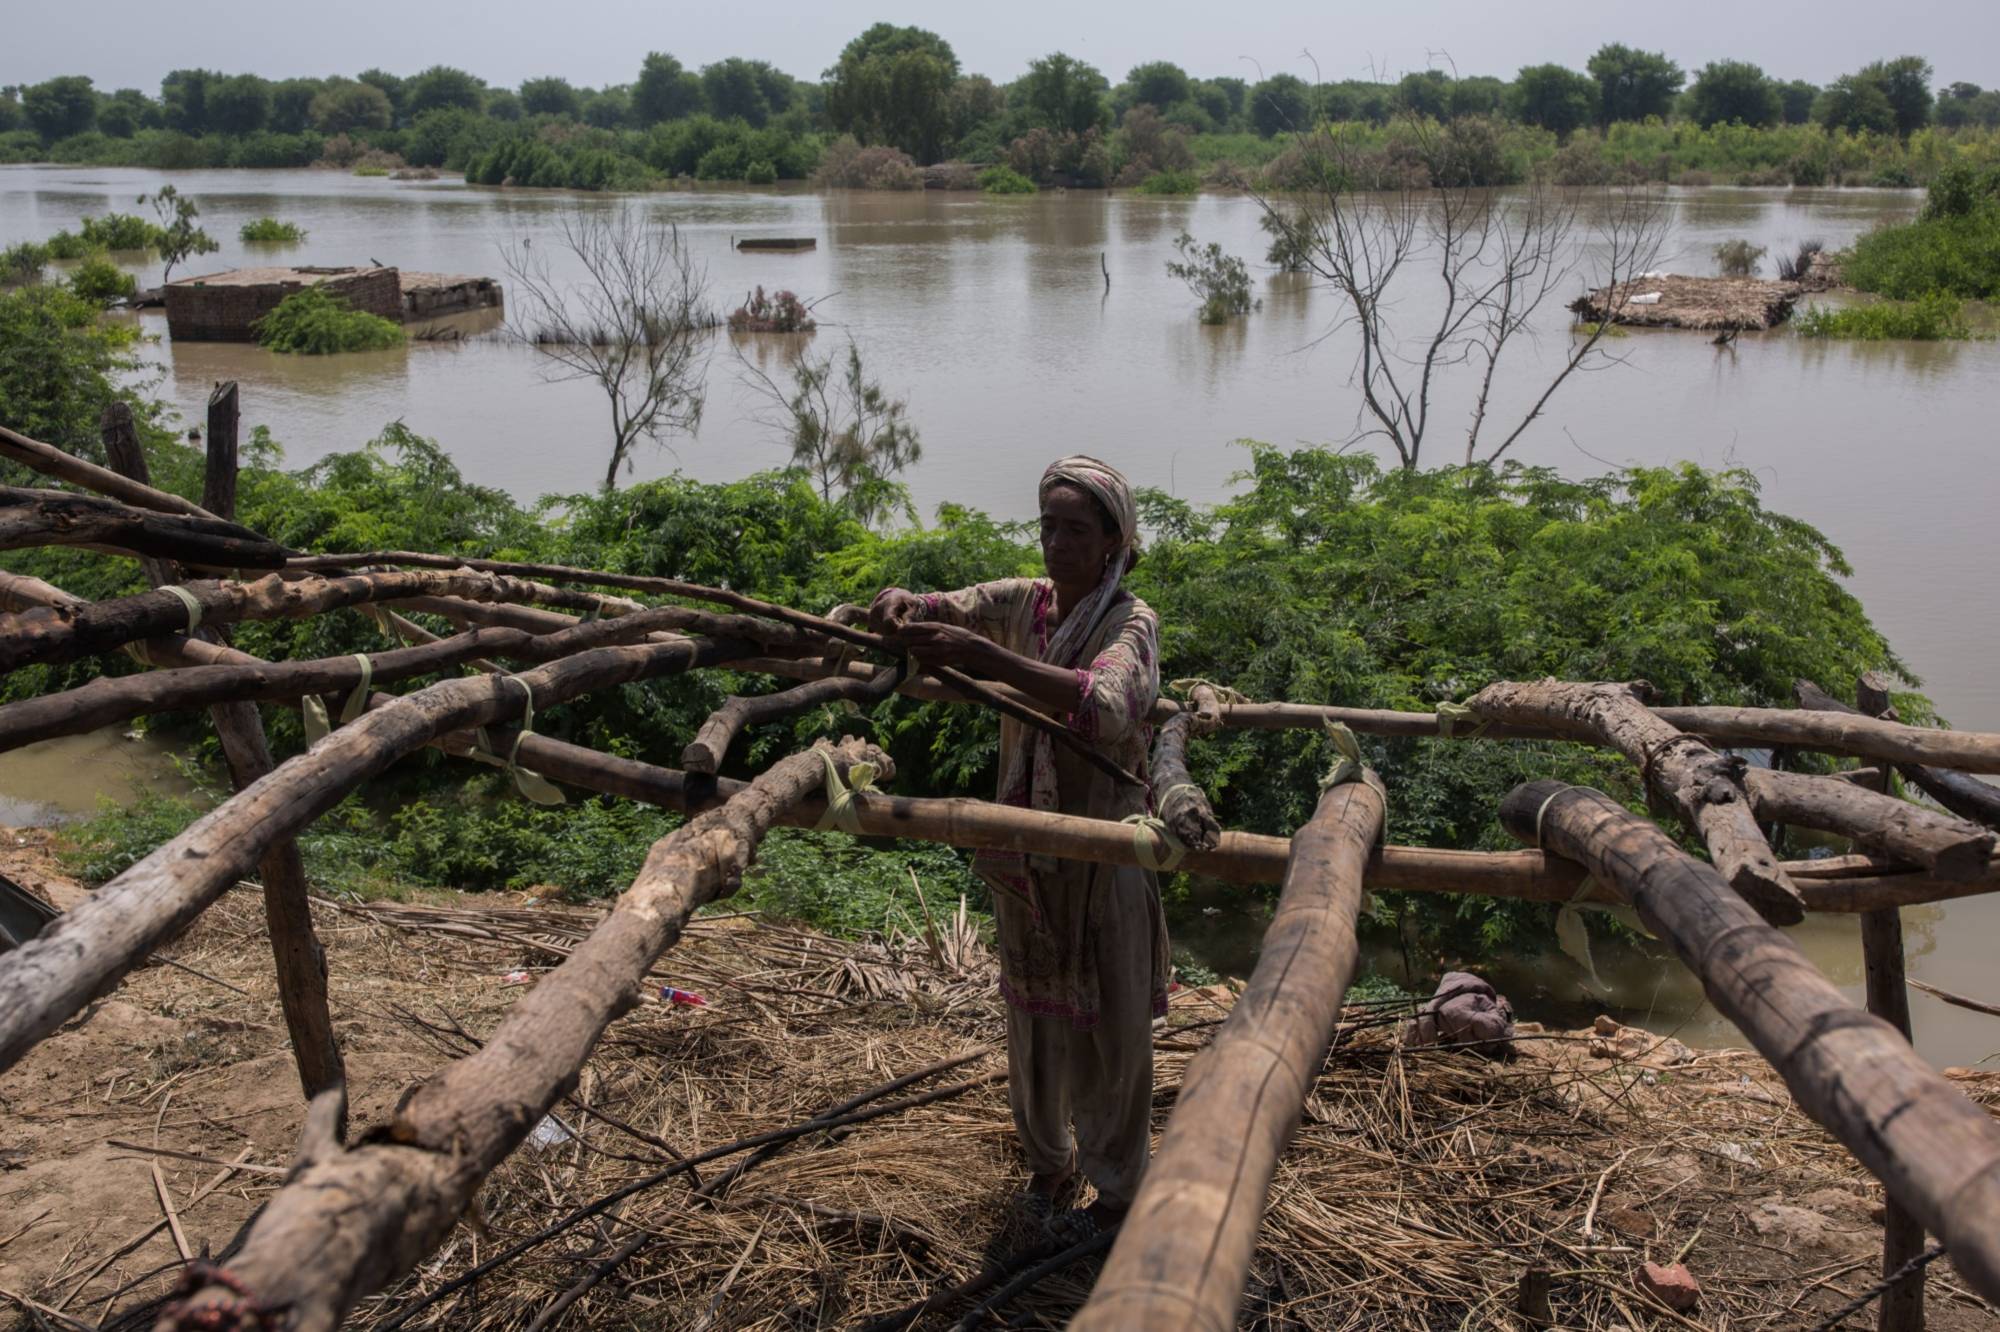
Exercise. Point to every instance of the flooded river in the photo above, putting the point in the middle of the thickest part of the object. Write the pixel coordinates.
(993, 318)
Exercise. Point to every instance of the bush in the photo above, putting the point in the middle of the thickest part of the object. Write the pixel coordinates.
(68, 245)
(1957, 255)
(1290, 244)
(1933, 318)
(23, 263)
(102, 282)
(371, 169)
(119, 231)
(1738, 258)
(1002, 179)
(847, 165)
(315, 322)
(780, 312)
(760, 172)
(270, 231)
(1221, 281)
(1170, 182)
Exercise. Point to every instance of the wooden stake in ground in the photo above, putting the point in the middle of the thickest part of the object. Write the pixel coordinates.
(1704, 787)
(368, 1215)
(1935, 1152)
(1184, 1250)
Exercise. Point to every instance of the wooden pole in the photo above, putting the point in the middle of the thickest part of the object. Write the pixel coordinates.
(1950, 847)
(52, 461)
(1182, 1254)
(1935, 1152)
(1704, 787)
(122, 450)
(704, 754)
(367, 1216)
(63, 518)
(218, 478)
(1964, 795)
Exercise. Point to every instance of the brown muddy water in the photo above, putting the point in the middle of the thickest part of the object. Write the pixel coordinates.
(991, 316)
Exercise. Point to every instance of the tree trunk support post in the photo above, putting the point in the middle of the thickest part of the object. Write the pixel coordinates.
(299, 958)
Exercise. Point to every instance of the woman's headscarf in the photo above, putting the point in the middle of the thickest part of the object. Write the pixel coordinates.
(1108, 486)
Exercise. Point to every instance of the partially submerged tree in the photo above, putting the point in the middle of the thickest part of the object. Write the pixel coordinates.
(843, 428)
(1221, 281)
(179, 238)
(1498, 258)
(637, 323)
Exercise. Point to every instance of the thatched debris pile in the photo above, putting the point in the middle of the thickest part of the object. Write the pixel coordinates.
(1674, 301)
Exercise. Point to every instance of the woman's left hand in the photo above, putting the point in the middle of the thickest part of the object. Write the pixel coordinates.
(944, 644)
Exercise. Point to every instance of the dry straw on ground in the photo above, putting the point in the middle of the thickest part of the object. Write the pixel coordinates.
(1421, 1187)
(1714, 303)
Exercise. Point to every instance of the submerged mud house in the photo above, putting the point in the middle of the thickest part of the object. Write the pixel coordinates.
(1670, 300)
(225, 307)
(357, 1214)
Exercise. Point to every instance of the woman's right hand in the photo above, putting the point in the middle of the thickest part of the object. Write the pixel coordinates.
(892, 609)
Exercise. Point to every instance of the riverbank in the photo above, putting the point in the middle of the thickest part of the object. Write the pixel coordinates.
(1420, 1188)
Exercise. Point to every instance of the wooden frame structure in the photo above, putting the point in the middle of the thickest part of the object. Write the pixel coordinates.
(368, 1211)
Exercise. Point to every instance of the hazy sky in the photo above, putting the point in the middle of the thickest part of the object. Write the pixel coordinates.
(131, 43)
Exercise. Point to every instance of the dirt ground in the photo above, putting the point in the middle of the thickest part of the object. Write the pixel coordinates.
(1421, 1186)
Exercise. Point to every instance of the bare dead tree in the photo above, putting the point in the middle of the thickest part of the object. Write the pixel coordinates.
(637, 323)
(1366, 221)
(844, 430)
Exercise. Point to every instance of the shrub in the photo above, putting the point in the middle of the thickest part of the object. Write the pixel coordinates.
(1937, 317)
(371, 169)
(847, 165)
(1002, 179)
(1795, 266)
(270, 231)
(761, 172)
(68, 245)
(1957, 255)
(1289, 252)
(1221, 281)
(23, 263)
(780, 312)
(315, 322)
(1170, 182)
(1738, 258)
(119, 231)
(102, 282)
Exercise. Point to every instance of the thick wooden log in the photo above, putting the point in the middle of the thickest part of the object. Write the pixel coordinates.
(1705, 788)
(1963, 795)
(1180, 803)
(1935, 1152)
(368, 1215)
(1183, 1252)
(54, 462)
(43, 635)
(1950, 847)
(120, 436)
(84, 954)
(704, 754)
(61, 518)
(218, 477)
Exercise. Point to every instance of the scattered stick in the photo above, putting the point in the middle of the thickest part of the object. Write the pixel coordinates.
(1956, 1000)
(167, 1208)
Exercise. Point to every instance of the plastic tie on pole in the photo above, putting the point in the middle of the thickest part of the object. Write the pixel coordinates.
(1453, 718)
(1144, 829)
(1347, 766)
(188, 600)
(840, 809)
(532, 785)
(312, 709)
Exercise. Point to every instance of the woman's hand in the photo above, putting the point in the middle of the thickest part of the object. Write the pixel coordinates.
(893, 609)
(944, 645)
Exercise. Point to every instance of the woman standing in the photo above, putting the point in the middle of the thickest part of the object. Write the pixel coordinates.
(1083, 948)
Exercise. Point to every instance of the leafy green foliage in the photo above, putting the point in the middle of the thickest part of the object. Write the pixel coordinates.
(1633, 85)
(120, 231)
(23, 263)
(1003, 179)
(1738, 258)
(1221, 282)
(316, 322)
(177, 238)
(1554, 97)
(1953, 248)
(270, 231)
(1170, 182)
(1932, 318)
(1733, 92)
(61, 368)
(101, 282)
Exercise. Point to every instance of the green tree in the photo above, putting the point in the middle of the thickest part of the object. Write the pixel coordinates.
(1063, 93)
(503, 104)
(1159, 82)
(1733, 92)
(184, 99)
(1633, 85)
(1795, 101)
(442, 87)
(1281, 104)
(1554, 97)
(125, 112)
(665, 91)
(60, 107)
(179, 238)
(1214, 100)
(734, 91)
(346, 107)
(61, 368)
(1906, 85)
(894, 85)
(1425, 92)
(609, 109)
(1855, 103)
(843, 429)
(1479, 95)
(11, 116)
(1356, 99)
(393, 86)
(975, 100)
(549, 96)
(291, 104)
(239, 104)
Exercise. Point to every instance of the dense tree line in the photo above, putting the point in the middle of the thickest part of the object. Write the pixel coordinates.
(902, 88)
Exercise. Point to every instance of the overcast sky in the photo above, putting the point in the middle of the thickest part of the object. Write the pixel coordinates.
(131, 43)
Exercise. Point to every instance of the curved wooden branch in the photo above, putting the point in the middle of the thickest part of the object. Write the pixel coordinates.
(1180, 803)
(369, 1215)
(1936, 1152)
(1949, 847)
(61, 518)
(1183, 1252)
(46, 981)
(59, 635)
(704, 754)
(1704, 787)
